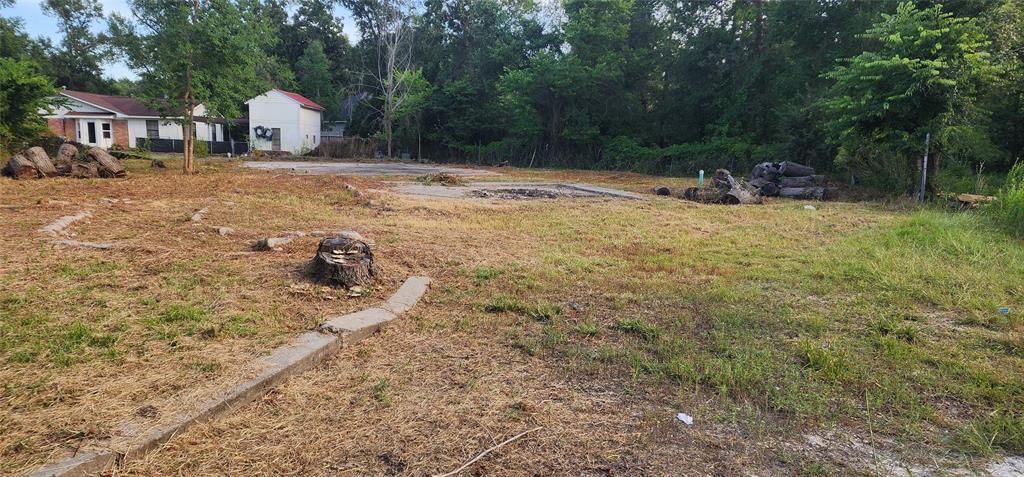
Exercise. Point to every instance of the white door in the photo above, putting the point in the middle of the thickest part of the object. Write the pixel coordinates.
(95, 132)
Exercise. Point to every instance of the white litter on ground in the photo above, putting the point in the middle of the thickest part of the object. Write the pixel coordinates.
(685, 418)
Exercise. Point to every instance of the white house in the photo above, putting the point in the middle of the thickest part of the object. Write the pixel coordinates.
(284, 121)
(104, 120)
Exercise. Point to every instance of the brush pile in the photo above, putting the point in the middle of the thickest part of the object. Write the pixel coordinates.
(725, 189)
(34, 163)
(788, 179)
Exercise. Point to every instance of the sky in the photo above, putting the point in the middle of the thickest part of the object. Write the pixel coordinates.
(38, 24)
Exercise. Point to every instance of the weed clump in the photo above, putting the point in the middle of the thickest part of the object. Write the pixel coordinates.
(639, 327)
(540, 311)
(442, 178)
(1008, 209)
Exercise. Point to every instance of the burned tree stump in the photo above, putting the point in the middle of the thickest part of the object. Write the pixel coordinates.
(344, 261)
(108, 166)
(65, 158)
(42, 161)
(19, 167)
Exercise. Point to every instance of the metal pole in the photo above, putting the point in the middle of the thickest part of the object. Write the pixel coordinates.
(924, 167)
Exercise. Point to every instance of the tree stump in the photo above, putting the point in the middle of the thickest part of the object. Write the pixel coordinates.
(41, 160)
(19, 167)
(65, 157)
(344, 261)
(108, 165)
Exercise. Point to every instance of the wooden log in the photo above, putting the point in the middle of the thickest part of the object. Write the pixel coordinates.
(65, 157)
(42, 161)
(769, 189)
(792, 169)
(19, 167)
(108, 165)
(84, 170)
(804, 181)
(345, 261)
(765, 171)
(811, 193)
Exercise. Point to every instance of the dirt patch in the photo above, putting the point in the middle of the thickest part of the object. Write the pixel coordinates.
(513, 191)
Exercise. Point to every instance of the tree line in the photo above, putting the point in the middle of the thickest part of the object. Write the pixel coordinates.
(657, 86)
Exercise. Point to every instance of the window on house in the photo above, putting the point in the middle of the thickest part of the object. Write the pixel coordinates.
(213, 132)
(153, 129)
(106, 130)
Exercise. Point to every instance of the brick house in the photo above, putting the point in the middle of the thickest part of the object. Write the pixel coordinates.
(105, 120)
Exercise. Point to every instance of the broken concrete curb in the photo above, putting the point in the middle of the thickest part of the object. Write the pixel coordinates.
(57, 226)
(304, 352)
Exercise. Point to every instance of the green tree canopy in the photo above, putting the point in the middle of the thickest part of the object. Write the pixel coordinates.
(24, 93)
(205, 52)
(923, 74)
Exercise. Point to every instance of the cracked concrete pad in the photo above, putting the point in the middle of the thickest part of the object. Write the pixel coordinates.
(364, 168)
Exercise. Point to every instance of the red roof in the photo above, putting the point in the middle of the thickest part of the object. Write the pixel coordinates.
(302, 99)
(120, 104)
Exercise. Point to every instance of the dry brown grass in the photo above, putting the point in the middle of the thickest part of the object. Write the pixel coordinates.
(483, 358)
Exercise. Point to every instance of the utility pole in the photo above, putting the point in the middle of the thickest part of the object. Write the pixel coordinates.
(924, 167)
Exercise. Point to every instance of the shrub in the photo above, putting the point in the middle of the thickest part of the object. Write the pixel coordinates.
(1008, 209)
(202, 148)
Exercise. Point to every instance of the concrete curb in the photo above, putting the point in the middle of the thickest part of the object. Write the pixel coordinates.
(304, 352)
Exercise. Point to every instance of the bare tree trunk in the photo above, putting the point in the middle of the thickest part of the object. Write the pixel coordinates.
(387, 128)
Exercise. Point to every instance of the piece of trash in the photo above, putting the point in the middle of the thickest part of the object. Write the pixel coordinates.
(810, 207)
(1003, 310)
(685, 418)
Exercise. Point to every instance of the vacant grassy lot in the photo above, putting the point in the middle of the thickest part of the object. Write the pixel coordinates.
(787, 333)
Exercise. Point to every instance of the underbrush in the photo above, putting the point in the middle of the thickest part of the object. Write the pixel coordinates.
(1008, 209)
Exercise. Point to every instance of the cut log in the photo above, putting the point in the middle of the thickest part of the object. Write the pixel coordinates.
(19, 167)
(792, 169)
(765, 170)
(811, 193)
(84, 170)
(65, 157)
(804, 181)
(344, 261)
(769, 189)
(42, 161)
(108, 166)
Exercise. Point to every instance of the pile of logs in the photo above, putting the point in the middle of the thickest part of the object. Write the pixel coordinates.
(788, 179)
(34, 163)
